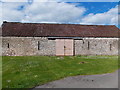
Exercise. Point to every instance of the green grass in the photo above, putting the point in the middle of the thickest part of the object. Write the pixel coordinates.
(30, 71)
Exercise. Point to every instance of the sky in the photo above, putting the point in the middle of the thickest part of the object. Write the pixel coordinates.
(58, 11)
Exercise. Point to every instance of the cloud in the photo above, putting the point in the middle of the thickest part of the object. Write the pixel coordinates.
(53, 12)
(0, 13)
(109, 17)
(89, 0)
(42, 12)
(28, 0)
(11, 11)
(61, 0)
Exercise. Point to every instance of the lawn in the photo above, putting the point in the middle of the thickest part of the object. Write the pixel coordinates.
(30, 71)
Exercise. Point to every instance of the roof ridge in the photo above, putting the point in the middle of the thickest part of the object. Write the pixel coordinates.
(56, 23)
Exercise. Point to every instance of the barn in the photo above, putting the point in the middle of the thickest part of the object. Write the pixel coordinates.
(26, 39)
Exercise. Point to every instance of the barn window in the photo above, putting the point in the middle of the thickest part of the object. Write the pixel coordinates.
(83, 41)
(38, 45)
(88, 45)
(110, 47)
(8, 45)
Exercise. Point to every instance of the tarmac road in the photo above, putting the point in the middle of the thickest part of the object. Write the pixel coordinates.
(109, 80)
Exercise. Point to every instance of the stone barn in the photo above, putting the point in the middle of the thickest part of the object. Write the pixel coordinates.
(21, 39)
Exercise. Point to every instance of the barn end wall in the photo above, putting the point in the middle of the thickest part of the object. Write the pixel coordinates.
(26, 46)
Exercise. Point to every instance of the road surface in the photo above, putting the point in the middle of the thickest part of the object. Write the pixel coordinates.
(109, 80)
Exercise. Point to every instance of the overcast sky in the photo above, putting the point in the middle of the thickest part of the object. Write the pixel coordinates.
(59, 11)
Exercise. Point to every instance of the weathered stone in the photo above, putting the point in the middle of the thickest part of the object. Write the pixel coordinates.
(20, 46)
(26, 46)
(96, 46)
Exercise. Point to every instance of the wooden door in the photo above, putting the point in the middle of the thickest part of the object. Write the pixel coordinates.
(64, 47)
(68, 47)
(60, 47)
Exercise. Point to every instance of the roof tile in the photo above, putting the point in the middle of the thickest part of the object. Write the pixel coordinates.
(58, 30)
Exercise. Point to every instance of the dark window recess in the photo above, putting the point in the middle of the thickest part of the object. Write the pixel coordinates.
(83, 42)
(38, 45)
(88, 45)
(51, 38)
(73, 47)
(110, 47)
(8, 45)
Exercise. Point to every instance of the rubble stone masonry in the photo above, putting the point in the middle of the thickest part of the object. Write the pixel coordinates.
(28, 46)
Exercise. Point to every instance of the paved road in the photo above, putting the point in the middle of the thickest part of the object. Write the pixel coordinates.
(85, 81)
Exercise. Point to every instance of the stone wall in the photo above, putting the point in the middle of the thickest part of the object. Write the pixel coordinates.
(96, 46)
(22, 46)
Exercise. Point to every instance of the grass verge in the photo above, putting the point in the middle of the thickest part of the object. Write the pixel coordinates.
(30, 71)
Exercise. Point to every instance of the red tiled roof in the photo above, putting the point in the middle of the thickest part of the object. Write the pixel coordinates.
(57, 30)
